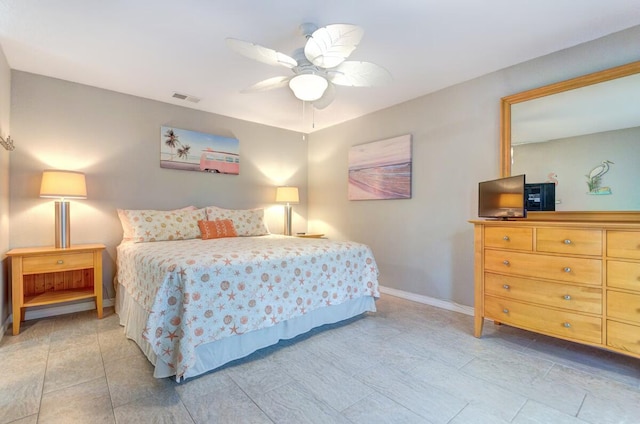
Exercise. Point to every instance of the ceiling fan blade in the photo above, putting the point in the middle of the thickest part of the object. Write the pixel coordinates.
(260, 53)
(268, 84)
(327, 97)
(359, 74)
(328, 47)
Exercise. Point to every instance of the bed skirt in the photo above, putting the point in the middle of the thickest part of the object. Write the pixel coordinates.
(213, 355)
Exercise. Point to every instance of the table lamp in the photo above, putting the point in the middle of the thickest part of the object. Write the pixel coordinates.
(287, 195)
(63, 185)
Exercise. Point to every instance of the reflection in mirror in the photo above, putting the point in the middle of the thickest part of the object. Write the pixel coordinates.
(583, 135)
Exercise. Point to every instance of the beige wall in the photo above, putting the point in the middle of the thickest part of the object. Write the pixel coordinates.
(114, 138)
(5, 100)
(424, 245)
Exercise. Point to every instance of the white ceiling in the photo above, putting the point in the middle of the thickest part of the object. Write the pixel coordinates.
(153, 48)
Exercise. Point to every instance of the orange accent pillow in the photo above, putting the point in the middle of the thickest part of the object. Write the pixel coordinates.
(217, 229)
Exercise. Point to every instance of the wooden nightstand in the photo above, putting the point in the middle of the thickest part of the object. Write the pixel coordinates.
(305, 235)
(49, 275)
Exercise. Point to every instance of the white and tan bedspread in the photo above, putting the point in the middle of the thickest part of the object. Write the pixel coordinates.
(199, 291)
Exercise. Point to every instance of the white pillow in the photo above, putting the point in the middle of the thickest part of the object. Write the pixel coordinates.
(247, 222)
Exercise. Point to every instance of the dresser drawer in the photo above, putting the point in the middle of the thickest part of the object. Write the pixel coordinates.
(569, 241)
(623, 244)
(566, 296)
(623, 275)
(623, 306)
(568, 269)
(509, 238)
(549, 321)
(623, 336)
(58, 262)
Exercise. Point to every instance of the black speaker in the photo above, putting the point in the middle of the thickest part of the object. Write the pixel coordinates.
(540, 197)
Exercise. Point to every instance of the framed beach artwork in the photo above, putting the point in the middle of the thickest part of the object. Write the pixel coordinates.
(381, 169)
(195, 151)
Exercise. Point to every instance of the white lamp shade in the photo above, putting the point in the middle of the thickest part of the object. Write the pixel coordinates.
(287, 195)
(308, 87)
(63, 184)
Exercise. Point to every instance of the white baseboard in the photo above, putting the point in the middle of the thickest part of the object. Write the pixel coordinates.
(438, 303)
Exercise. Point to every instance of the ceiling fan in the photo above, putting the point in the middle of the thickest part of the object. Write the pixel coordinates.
(318, 66)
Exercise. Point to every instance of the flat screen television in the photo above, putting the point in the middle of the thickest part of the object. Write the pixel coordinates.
(503, 198)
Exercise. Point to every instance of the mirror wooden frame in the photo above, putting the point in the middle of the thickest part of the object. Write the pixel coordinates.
(547, 90)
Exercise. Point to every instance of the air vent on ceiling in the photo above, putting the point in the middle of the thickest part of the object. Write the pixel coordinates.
(192, 99)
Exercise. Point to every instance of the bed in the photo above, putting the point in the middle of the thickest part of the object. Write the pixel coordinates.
(193, 305)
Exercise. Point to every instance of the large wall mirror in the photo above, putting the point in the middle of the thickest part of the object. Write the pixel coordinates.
(582, 135)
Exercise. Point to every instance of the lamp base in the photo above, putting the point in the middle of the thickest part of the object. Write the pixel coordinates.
(287, 219)
(63, 228)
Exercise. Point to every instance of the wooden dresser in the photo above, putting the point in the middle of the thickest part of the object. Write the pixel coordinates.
(578, 281)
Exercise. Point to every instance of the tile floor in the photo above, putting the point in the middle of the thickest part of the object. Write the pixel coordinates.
(407, 363)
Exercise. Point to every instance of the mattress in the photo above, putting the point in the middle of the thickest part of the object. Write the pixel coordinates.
(194, 305)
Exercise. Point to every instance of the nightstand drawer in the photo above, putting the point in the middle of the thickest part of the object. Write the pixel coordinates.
(569, 241)
(509, 238)
(549, 321)
(57, 262)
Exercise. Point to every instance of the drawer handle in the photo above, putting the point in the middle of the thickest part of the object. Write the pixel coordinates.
(567, 325)
(506, 262)
(505, 310)
(567, 241)
(60, 261)
(506, 286)
(567, 297)
(505, 238)
(567, 269)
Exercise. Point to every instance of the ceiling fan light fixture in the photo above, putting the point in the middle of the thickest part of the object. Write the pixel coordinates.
(318, 66)
(308, 87)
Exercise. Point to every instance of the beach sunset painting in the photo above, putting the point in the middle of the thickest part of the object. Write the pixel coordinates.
(381, 169)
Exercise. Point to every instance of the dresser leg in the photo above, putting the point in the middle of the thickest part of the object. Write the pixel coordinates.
(477, 327)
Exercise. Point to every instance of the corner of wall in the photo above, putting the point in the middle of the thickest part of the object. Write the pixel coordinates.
(5, 106)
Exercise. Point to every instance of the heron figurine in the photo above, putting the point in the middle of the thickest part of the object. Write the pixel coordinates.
(595, 177)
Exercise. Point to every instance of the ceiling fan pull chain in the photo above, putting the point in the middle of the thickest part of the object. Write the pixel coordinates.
(303, 110)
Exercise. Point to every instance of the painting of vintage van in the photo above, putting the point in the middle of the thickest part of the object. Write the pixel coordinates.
(196, 151)
(220, 162)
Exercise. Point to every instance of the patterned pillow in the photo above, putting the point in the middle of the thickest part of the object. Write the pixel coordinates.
(127, 222)
(218, 228)
(165, 225)
(247, 222)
